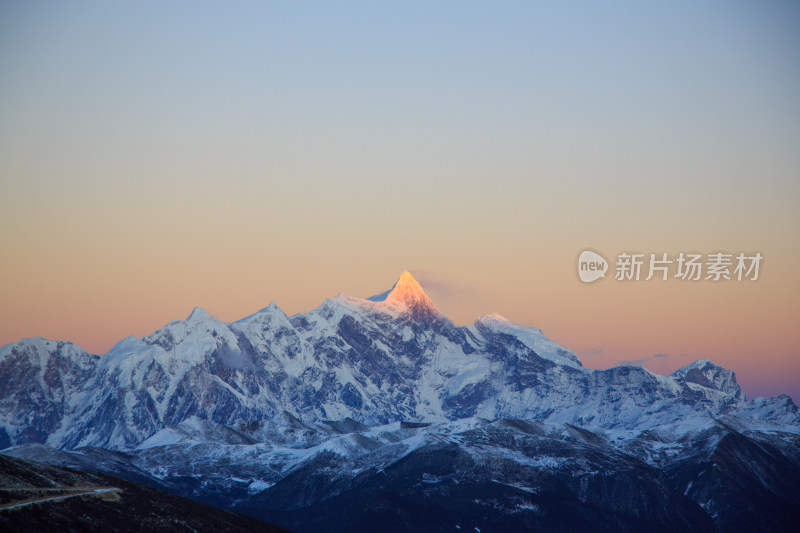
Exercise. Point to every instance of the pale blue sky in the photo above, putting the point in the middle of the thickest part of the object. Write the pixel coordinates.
(470, 83)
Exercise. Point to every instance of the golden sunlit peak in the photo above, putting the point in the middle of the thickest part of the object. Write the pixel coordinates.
(407, 278)
(406, 287)
(406, 293)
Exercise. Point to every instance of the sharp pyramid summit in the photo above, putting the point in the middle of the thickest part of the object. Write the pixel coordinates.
(407, 294)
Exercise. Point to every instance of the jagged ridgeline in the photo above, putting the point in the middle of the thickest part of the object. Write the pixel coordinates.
(391, 357)
(386, 396)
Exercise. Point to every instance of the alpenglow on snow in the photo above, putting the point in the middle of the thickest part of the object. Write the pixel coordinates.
(392, 357)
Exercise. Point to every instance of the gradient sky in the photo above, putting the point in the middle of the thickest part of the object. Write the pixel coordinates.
(157, 156)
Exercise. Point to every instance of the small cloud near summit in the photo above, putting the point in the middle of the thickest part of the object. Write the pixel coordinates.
(445, 290)
(589, 352)
(635, 362)
(643, 360)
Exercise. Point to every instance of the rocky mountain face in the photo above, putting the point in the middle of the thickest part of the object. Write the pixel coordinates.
(382, 411)
(698, 474)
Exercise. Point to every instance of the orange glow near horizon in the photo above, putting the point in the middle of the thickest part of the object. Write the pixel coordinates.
(605, 324)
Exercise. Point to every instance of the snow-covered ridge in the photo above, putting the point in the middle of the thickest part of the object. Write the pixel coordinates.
(376, 361)
(533, 338)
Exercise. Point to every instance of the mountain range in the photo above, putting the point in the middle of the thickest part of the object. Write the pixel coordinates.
(382, 414)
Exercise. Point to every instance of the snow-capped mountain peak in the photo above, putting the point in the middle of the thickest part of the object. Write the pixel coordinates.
(198, 314)
(406, 294)
(533, 338)
(390, 358)
(708, 374)
(388, 396)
